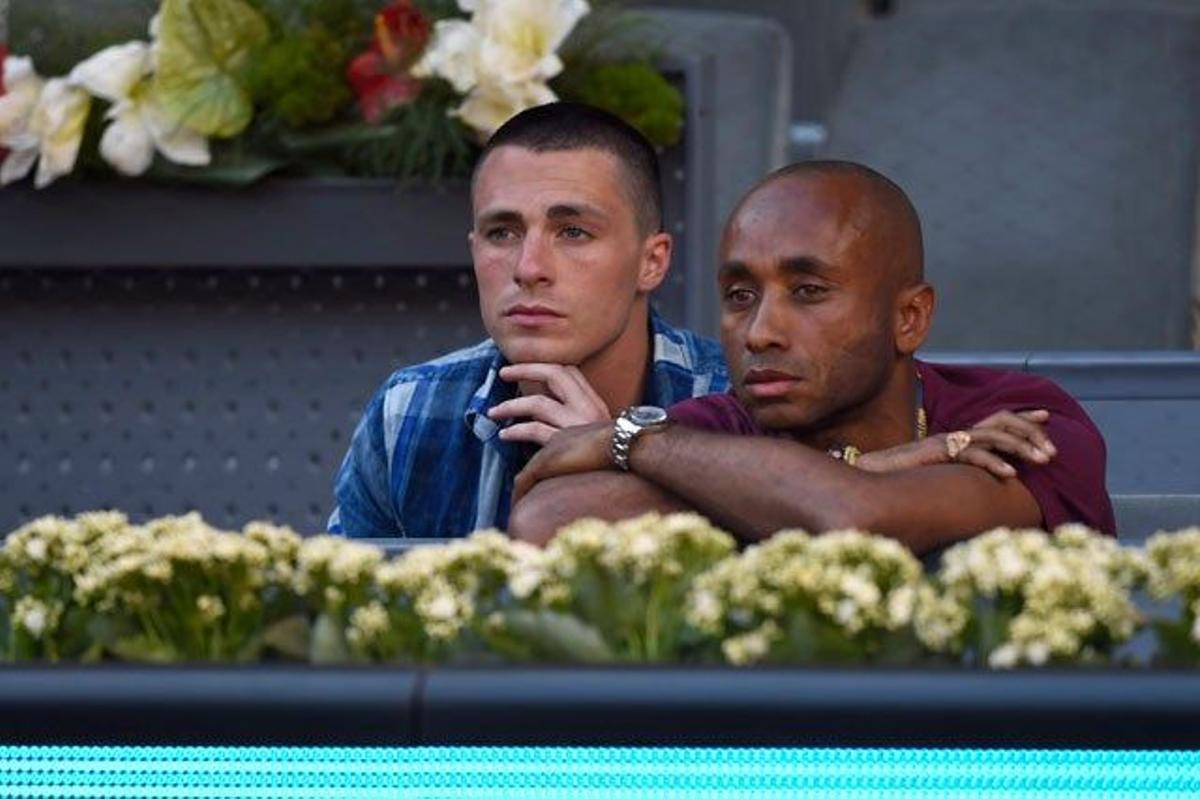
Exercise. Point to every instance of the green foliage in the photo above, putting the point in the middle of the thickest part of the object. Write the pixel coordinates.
(637, 93)
(299, 78)
(346, 21)
(204, 47)
(425, 144)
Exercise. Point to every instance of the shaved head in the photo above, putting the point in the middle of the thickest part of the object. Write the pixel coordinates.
(822, 279)
(871, 211)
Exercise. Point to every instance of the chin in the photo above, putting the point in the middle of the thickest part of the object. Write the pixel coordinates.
(530, 349)
(780, 416)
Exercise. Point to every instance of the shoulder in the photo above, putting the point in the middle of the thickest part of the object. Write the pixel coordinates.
(682, 350)
(1071, 488)
(455, 377)
(719, 413)
(962, 395)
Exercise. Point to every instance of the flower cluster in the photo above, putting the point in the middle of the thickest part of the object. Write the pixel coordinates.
(844, 596)
(1029, 597)
(503, 58)
(650, 589)
(226, 91)
(1173, 573)
(628, 581)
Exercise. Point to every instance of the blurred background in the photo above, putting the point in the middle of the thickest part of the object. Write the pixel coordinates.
(166, 348)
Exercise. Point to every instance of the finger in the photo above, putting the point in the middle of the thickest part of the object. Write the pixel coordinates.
(588, 391)
(1004, 441)
(977, 456)
(1033, 431)
(523, 482)
(554, 375)
(537, 407)
(531, 432)
(1026, 424)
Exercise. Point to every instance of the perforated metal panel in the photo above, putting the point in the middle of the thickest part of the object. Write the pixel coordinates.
(232, 393)
(1051, 148)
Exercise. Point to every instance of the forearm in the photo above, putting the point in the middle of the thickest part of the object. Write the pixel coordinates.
(610, 496)
(754, 486)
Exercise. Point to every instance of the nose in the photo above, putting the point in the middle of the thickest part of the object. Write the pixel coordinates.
(534, 263)
(766, 328)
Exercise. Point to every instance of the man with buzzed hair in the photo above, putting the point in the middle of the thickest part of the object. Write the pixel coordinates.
(832, 422)
(567, 245)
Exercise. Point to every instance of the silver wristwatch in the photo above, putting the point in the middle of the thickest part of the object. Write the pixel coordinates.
(632, 422)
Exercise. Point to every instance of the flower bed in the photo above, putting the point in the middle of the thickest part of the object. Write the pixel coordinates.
(655, 589)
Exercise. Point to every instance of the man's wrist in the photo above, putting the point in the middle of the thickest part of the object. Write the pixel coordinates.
(630, 425)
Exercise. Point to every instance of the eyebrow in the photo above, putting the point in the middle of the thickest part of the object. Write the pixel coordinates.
(792, 265)
(555, 213)
(569, 211)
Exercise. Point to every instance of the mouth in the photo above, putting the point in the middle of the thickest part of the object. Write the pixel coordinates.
(769, 383)
(532, 315)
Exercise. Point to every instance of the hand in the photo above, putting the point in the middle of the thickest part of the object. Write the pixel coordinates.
(571, 451)
(571, 401)
(1021, 434)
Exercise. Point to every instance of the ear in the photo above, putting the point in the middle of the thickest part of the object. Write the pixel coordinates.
(655, 262)
(914, 316)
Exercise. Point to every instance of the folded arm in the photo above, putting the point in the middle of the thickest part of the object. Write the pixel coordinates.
(754, 486)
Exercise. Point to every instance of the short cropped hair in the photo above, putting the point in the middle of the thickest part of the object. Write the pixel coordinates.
(557, 127)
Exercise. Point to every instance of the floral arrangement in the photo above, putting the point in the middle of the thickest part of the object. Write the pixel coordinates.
(656, 589)
(1025, 597)
(228, 91)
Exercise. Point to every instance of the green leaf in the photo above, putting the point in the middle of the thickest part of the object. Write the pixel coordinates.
(328, 643)
(204, 46)
(142, 649)
(556, 636)
(336, 138)
(290, 637)
(1175, 644)
(231, 169)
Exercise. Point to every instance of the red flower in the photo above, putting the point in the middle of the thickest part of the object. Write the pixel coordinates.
(380, 76)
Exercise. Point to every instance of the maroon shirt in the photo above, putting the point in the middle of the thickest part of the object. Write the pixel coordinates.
(1068, 489)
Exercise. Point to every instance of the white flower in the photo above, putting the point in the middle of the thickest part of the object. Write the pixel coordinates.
(39, 122)
(23, 87)
(35, 616)
(453, 54)
(1004, 657)
(490, 105)
(58, 122)
(120, 74)
(210, 607)
(521, 37)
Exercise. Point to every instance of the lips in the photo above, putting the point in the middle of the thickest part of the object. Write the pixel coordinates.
(532, 315)
(769, 383)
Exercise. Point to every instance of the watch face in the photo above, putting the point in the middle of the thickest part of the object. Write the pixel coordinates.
(647, 415)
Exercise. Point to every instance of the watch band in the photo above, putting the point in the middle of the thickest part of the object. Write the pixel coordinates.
(630, 424)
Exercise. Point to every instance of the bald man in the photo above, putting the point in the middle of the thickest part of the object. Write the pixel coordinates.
(832, 421)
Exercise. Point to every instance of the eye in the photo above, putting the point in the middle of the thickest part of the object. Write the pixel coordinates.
(575, 233)
(499, 235)
(738, 297)
(810, 292)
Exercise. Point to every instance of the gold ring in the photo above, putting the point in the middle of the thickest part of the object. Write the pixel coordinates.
(956, 442)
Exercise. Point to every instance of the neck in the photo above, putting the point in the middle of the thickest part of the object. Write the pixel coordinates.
(887, 420)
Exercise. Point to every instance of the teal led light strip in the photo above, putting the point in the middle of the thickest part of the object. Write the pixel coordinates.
(58, 772)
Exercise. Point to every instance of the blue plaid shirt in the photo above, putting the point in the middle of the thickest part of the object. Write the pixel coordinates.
(426, 461)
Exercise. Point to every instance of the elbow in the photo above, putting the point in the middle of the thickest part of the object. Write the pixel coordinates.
(542, 512)
(847, 513)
